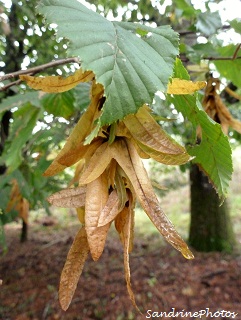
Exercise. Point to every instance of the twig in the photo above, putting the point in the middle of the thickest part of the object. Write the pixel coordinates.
(236, 52)
(39, 68)
(10, 85)
(222, 58)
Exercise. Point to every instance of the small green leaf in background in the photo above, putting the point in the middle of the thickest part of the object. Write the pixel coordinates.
(132, 68)
(231, 69)
(184, 8)
(200, 51)
(24, 122)
(20, 99)
(236, 24)
(208, 22)
(59, 104)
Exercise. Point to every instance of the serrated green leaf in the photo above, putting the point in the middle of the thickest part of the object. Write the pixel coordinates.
(208, 22)
(213, 155)
(131, 68)
(180, 71)
(19, 100)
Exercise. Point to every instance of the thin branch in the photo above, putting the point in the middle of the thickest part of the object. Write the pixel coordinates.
(194, 32)
(236, 52)
(17, 82)
(221, 58)
(39, 68)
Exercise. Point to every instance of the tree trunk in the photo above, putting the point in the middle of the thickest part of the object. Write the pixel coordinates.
(24, 232)
(210, 227)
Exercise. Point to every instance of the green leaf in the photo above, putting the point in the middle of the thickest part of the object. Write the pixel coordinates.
(236, 24)
(24, 121)
(186, 8)
(214, 154)
(130, 67)
(82, 96)
(200, 51)
(231, 69)
(20, 99)
(208, 22)
(59, 104)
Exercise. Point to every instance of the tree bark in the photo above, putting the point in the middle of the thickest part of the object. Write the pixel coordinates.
(24, 232)
(210, 227)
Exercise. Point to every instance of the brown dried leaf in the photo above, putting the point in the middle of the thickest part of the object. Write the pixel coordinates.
(15, 197)
(69, 198)
(96, 199)
(168, 159)
(55, 84)
(128, 158)
(120, 221)
(78, 170)
(121, 187)
(216, 109)
(139, 150)
(235, 125)
(73, 267)
(17, 202)
(112, 173)
(74, 149)
(153, 140)
(151, 205)
(125, 232)
(24, 211)
(110, 210)
(97, 164)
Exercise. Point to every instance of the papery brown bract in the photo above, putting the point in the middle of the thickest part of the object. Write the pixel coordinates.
(153, 140)
(96, 198)
(69, 198)
(110, 210)
(73, 267)
(74, 148)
